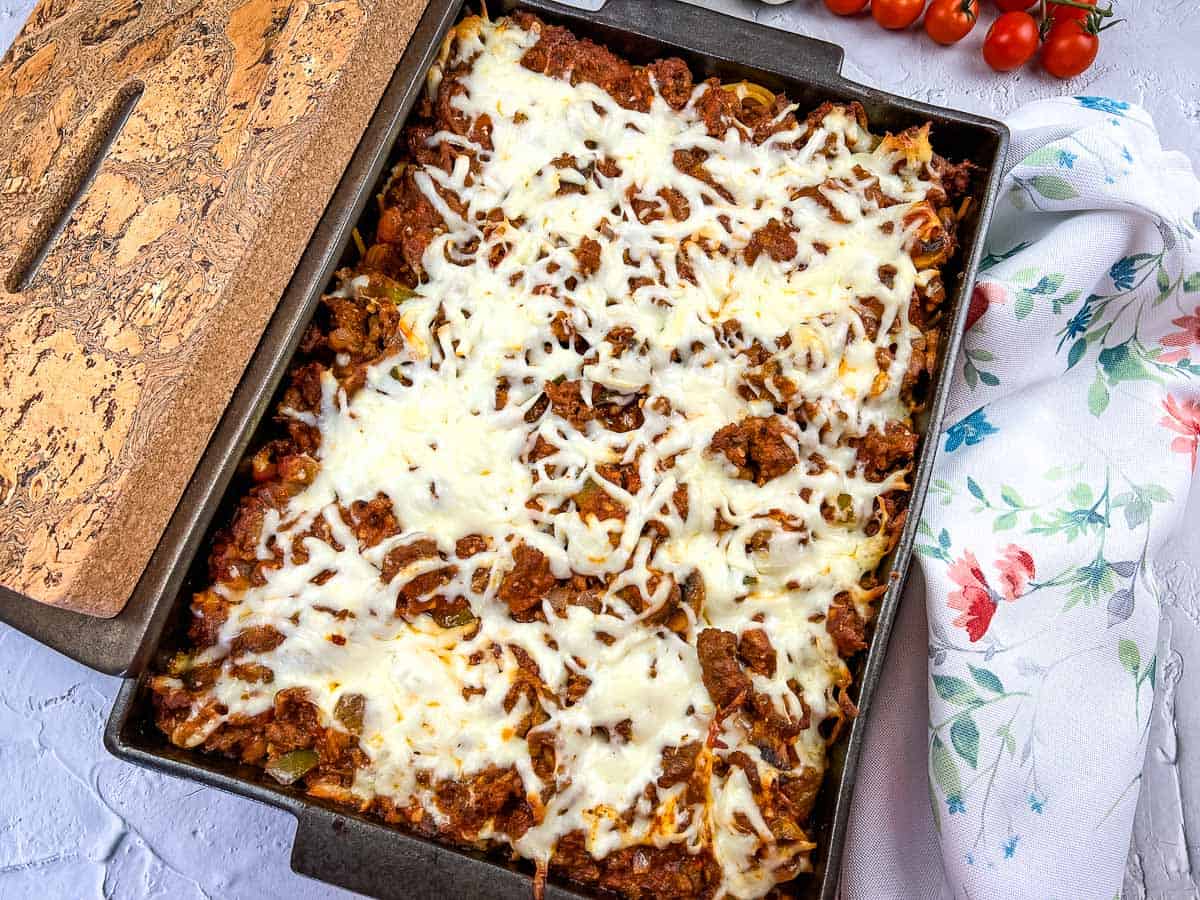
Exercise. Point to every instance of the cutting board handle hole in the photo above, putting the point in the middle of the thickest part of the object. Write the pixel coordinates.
(82, 173)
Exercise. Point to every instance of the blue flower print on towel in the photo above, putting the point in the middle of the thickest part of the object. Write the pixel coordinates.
(1104, 104)
(969, 430)
(1122, 272)
(1077, 324)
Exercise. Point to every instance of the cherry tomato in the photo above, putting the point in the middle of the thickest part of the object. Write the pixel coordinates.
(1014, 5)
(947, 21)
(1011, 40)
(896, 14)
(1060, 12)
(846, 7)
(1069, 49)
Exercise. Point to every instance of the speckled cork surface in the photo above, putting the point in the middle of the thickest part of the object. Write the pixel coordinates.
(119, 355)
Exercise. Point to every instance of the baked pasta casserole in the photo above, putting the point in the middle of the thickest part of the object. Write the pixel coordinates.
(585, 471)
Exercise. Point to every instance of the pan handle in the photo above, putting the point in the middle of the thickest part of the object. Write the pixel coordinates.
(376, 860)
(724, 37)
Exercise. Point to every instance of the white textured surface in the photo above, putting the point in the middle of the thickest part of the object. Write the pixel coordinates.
(75, 823)
(1166, 840)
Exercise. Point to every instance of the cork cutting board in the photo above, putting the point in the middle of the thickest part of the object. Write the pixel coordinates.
(121, 345)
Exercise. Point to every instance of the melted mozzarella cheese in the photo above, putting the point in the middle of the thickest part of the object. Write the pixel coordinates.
(425, 432)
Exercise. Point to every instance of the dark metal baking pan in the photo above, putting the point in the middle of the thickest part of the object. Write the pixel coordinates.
(364, 854)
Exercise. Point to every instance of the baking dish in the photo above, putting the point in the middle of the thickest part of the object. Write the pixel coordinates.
(365, 855)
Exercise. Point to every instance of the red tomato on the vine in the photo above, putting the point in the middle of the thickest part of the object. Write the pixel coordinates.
(948, 21)
(896, 14)
(1014, 5)
(1011, 41)
(846, 7)
(1070, 48)
(1060, 12)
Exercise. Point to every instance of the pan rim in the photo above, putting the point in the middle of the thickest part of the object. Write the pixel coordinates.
(325, 244)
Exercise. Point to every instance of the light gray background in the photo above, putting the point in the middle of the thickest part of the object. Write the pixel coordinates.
(75, 823)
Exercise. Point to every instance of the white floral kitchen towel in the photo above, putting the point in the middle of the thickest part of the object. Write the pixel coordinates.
(1003, 754)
